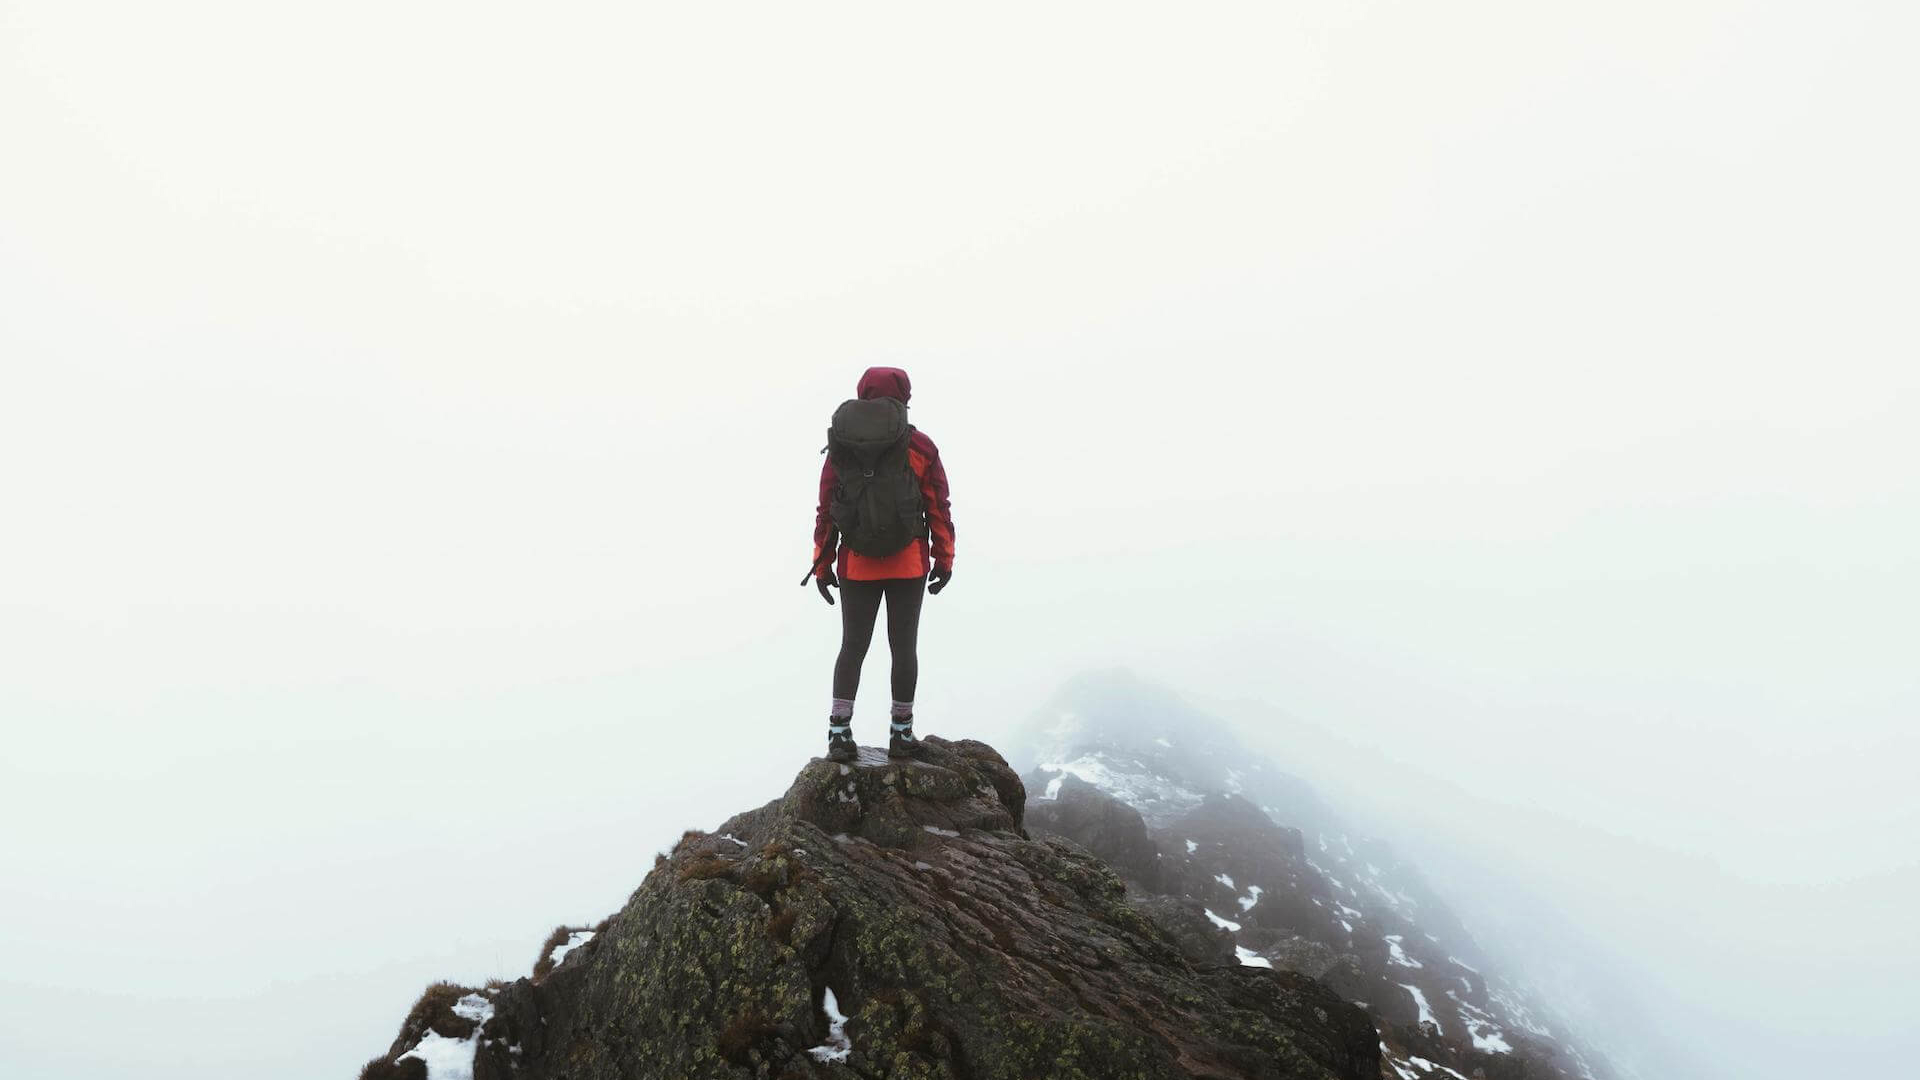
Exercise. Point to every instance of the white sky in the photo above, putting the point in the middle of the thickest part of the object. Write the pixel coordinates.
(408, 418)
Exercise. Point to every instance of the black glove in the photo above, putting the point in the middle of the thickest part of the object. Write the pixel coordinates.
(824, 579)
(941, 575)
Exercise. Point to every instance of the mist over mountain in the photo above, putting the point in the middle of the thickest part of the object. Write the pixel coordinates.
(1500, 417)
(1659, 962)
(1298, 886)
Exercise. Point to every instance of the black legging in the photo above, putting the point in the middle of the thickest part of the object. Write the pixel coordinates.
(859, 608)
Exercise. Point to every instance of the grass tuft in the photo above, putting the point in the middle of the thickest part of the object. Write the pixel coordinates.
(764, 876)
(707, 866)
(780, 927)
(434, 1011)
(382, 1069)
(543, 963)
(748, 1030)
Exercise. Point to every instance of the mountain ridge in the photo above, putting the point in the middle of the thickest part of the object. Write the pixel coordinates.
(887, 919)
(1216, 819)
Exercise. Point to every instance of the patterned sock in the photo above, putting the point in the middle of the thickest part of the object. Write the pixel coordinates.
(842, 708)
(902, 717)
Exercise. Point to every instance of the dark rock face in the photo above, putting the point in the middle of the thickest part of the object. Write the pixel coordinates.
(1105, 826)
(958, 946)
(1185, 921)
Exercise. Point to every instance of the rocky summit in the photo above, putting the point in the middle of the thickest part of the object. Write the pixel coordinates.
(888, 919)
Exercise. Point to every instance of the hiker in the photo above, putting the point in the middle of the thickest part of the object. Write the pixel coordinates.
(882, 532)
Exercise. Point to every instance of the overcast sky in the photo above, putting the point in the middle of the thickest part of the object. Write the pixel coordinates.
(409, 418)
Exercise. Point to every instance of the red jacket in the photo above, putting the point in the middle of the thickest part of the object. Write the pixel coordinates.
(919, 557)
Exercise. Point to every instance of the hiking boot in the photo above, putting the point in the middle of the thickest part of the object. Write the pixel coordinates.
(900, 742)
(840, 744)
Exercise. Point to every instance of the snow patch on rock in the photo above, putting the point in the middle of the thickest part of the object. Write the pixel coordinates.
(837, 1047)
(1426, 1010)
(574, 940)
(452, 1059)
(1250, 958)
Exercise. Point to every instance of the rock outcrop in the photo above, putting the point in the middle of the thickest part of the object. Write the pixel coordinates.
(896, 920)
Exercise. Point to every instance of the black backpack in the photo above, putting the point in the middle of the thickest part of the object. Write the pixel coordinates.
(877, 506)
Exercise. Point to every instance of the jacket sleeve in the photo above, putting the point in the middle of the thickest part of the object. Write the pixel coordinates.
(933, 486)
(825, 543)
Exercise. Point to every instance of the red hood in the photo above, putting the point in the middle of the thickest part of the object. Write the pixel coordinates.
(885, 382)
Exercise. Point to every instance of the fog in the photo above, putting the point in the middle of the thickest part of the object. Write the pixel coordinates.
(410, 416)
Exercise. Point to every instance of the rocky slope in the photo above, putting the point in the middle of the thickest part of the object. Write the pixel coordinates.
(1195, 822)
(892, 920)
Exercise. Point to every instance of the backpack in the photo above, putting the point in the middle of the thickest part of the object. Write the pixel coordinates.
(877, 506)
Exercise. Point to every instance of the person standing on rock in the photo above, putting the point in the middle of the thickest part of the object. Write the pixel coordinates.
(882, 531)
